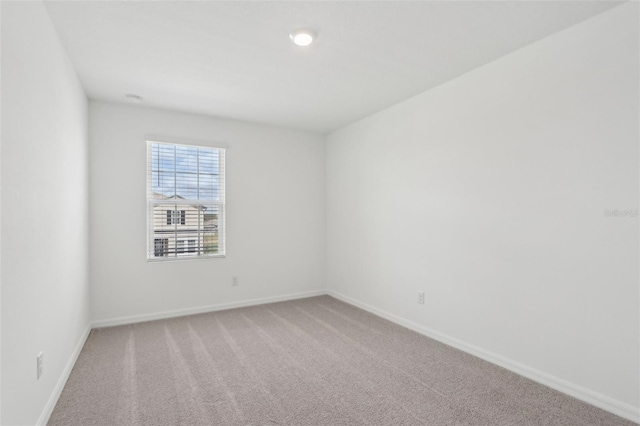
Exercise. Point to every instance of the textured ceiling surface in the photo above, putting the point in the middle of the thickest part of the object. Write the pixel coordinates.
(235, 59)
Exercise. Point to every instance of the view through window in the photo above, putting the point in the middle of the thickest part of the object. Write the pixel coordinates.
(185, 201)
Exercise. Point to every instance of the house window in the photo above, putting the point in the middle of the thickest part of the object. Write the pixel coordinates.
(185, 201)
(176, 217)
(186, 246)
(160, 247)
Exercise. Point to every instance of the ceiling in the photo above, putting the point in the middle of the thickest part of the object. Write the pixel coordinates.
(235, 59)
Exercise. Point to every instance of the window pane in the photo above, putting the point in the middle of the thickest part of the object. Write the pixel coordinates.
(162, 158)
(210, 230)
(187, 185)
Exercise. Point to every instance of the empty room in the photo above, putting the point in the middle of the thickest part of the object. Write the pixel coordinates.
(320, 213)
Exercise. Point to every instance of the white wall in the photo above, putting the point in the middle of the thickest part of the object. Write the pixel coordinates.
(489, 192)
(45, 296)
(275, 214)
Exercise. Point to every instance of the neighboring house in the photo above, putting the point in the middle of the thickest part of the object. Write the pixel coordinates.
(181, 229)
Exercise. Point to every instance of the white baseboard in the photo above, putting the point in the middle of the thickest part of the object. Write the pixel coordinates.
(599, 400)
(202, 309)
(55, 395)
(594, 398)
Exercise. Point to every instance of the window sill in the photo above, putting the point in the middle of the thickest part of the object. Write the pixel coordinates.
(186, 258)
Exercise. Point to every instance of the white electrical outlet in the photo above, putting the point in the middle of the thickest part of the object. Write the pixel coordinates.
(40, 363)
(234, 281)
(421, 297)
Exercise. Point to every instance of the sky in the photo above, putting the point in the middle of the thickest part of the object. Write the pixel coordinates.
(187, 171)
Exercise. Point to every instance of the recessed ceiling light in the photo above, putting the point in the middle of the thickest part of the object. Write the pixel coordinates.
(134, 99)
(302, 37)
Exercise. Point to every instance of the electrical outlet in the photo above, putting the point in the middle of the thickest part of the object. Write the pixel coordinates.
(421, 297)
(40, 363)
(234, 281)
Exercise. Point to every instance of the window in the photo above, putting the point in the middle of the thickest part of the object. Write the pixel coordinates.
(160, 246)
(186, 246)
(185, 201)
(175, 217)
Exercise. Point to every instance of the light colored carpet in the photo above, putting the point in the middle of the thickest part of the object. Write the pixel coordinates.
(314, 361)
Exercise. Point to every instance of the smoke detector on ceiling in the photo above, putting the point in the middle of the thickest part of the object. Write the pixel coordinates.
(134, 99)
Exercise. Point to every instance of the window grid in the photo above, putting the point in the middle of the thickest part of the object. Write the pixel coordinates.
(186, 201)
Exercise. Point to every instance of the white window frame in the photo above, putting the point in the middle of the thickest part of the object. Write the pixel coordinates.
(186, 254)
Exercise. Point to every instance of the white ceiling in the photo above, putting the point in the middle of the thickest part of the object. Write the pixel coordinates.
(235, 59)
